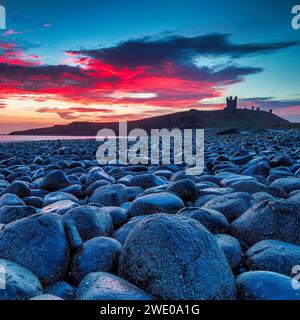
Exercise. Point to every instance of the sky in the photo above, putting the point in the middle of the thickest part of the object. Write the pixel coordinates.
(63, 61)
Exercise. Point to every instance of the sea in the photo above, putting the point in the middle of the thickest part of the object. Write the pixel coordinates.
(9, 138)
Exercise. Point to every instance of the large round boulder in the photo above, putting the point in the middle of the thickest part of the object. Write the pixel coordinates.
(278, 220)
(39, 244)
(174, 257)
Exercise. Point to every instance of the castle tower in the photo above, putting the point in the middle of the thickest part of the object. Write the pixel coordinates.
(231, 104)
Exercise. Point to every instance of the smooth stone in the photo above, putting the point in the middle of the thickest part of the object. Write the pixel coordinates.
(105, 286)
(283, 160)
(19, 188)
(214, 191)
(9, 199)
(94, 186)
(287, 184)
(122, 233)
(60, 207)
(133, 192)
(265, 285)
(211, 219)
(277, 220)
(54, 181)
(179, 175)
(146, 181)
(232, 178)
(273, 255)
(249, 186)
(98, 175)
(119, 216)
(232, 249)
(62, 290)
(164, 202)
(186, 189)
(46, 297)
(58, 196)
(9, 214)
(156, 249)
(231, 205)
(110, 195)
(90, 221)
(202, 200)
(19, 284)
(98, 254)
(27, 242)
(36, 202)
(260, 169)
(262, 196)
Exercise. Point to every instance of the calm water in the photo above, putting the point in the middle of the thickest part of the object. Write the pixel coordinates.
(6, 138)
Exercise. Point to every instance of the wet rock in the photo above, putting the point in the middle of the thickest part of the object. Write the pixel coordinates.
(186, 189)
(260, 169)
(211, 219)
(273, 255)
(113, 195)
(146, 181)
(265, 285)
(39, 244)
(90, 221)
(19, 283)
(165, 202)
(105, 286)
(18, 188)
(119, 216)
(249, 186)
(122, 233)
(60, 207)
(97, 254)
(277, 220)
(9, 199)
(287, 184)
(54, 181)
(231, 205)
(62, 290)
(46, 297)
(11, 213)
(58, 196)
(156, 249)
(232, 249)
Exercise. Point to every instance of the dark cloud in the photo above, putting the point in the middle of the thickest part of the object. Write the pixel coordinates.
(152, 51)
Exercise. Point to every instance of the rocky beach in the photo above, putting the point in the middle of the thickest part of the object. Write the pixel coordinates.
(71, 229)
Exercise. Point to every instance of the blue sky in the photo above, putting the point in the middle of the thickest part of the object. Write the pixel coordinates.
(48, 29)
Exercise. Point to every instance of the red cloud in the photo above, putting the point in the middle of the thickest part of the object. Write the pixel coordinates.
(168, 80)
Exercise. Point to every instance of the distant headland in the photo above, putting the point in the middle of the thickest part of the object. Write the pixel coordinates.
(230, 117)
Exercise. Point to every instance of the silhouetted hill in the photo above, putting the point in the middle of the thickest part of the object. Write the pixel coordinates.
(220, 119)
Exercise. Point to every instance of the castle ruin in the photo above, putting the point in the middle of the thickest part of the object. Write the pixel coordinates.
(231, 104)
